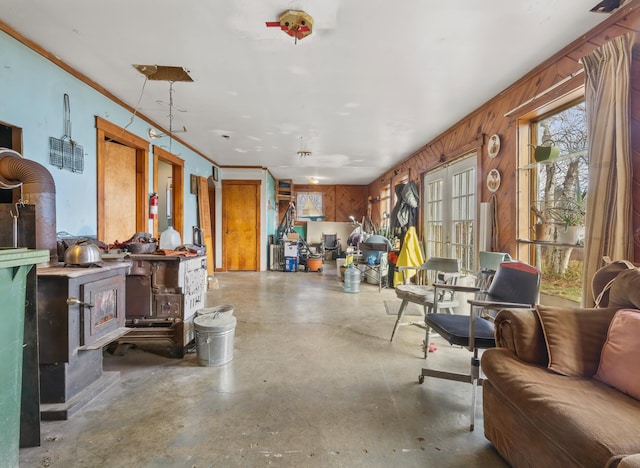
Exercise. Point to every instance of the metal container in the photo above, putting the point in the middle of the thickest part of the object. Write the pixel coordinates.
(82, 254)
(219, 309)
(214, 338)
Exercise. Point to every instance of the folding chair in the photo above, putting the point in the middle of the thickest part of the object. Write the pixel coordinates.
(330, 244)
(441, 269)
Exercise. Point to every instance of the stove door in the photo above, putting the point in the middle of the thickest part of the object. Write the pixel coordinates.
(107, 312)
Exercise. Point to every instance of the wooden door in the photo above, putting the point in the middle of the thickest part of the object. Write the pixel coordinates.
(123, 186)
(240, 225)
(119, 192)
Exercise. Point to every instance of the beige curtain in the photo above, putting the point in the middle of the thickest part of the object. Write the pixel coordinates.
(608, 223)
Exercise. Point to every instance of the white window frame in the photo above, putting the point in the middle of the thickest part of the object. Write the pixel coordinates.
(449, 202)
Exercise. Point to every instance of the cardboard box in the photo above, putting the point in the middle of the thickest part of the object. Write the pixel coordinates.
(294, 236)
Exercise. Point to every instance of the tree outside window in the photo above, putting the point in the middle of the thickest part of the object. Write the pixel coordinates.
(559, 194)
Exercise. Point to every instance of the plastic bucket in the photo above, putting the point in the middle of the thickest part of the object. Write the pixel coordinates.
(220, 309)
(214, 338)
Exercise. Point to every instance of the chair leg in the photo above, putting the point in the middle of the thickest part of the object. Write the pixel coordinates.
(475, 377)
(403, 306)
(427, 338)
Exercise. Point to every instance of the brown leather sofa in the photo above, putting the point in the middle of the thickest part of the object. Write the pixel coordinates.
(542, 405)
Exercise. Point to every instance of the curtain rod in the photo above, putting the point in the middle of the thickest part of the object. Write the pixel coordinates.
(546, 91)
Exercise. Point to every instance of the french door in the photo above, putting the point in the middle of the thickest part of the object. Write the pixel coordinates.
(450, 214)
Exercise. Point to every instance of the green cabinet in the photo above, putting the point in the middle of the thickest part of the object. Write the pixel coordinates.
(15, 265)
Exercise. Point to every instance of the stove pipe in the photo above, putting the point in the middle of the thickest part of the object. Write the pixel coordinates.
(39, 189)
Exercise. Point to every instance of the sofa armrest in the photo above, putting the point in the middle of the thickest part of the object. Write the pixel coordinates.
(630, 461)
(519, 331)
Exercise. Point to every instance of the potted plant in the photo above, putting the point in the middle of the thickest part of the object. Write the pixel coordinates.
(542, 229)
(569, 217)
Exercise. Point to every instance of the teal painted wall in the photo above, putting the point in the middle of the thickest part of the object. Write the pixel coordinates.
(272, 206)
(31, 95)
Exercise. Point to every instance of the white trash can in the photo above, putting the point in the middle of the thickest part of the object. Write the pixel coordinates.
(214, 338)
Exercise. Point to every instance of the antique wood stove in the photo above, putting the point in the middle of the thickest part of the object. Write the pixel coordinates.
(163, 295)
(80, 310)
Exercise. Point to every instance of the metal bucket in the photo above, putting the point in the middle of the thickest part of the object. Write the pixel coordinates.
(219, 309)
(214, 338)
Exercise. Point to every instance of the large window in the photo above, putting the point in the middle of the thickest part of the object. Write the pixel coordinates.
(558, 171)
(384, 210)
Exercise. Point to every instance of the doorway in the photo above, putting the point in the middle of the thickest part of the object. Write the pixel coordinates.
(240, 225)
(123, 165)
(168, 183)
(450, 215)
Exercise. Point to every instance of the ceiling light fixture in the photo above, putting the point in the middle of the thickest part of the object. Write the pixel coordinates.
(313, 180)
(303, 153)
(295, 23)
(154, 134)
(170, 74)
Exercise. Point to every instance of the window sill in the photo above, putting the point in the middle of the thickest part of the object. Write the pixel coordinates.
(548, 243)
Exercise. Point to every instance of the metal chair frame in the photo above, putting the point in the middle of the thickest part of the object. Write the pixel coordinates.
(332, 247)
(499, 295)
(442, 269)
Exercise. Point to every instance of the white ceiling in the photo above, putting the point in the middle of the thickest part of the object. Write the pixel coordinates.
(374, 82)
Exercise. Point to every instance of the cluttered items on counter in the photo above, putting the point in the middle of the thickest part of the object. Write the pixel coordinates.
(139, 243)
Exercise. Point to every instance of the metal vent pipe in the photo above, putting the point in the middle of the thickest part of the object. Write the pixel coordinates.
(39, 189)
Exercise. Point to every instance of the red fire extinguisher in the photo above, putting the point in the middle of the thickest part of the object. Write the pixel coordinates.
(153, 206)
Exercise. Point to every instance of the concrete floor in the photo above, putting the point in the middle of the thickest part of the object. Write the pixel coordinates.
(314, 382)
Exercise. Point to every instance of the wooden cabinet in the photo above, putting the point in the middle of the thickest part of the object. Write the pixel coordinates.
(284, 190)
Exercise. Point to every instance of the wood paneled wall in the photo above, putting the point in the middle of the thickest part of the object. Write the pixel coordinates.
(339, 201)
(473, 131)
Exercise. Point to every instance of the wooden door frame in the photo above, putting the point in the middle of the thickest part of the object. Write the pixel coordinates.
(16, 136)
(224, 221)
(104, 130)
(212, 213)
(177, 200)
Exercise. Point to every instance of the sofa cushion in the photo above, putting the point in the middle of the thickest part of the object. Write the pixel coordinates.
(619, 361)
(590, 421)
(574, 338)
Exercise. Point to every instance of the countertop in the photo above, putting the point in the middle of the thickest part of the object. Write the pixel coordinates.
(74, 272)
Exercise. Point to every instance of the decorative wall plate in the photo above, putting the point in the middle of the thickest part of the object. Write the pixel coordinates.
(493, 180)
(494, 146)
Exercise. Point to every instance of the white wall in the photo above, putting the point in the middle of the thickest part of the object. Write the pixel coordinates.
(315, 229)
